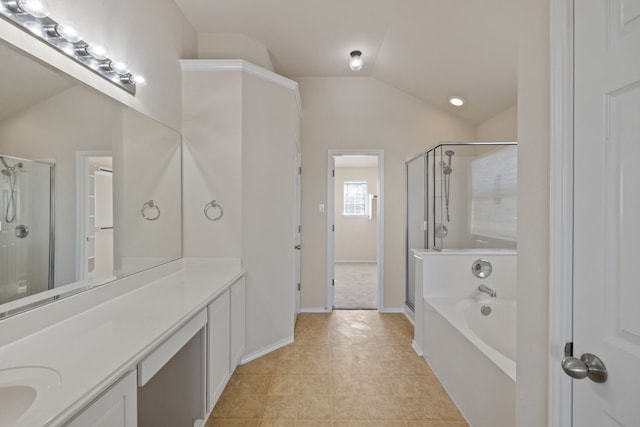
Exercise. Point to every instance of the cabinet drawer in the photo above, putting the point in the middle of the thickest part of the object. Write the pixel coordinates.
(151, 364)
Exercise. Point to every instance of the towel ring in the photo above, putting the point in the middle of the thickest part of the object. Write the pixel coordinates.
(150, 205)
(213, 205)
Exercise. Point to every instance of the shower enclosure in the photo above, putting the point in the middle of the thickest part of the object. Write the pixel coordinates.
(26, 227)
(460, 195)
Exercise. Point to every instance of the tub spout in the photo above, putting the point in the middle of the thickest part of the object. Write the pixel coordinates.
(487, 290)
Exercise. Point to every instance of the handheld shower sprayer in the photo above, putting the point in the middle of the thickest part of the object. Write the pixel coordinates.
(7, 169)
(446, 171)
(10, 173)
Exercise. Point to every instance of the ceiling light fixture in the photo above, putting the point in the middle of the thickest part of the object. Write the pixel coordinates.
(32, 16)
(355, 63)
(457, 101)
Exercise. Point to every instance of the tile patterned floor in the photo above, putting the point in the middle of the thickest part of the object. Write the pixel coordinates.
(347, 368)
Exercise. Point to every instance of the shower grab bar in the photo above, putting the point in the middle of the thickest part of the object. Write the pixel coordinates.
(150, 205)
(213, 205)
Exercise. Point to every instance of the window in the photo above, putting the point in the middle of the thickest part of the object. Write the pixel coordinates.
(494, 194)
(355, 198)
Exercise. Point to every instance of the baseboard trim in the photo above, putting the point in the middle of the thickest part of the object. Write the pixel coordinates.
(417, 348)
(410, 315)
(392, 310)
(315, 310)
(266, 350)
(349, 261)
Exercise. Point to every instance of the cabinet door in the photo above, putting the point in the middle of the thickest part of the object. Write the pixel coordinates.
(218, 332)
(117, 407)
(237, 322)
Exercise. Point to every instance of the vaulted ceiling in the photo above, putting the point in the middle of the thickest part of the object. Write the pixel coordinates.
(432, 49)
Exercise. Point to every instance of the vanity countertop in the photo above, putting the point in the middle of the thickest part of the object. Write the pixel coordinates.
(94, 348)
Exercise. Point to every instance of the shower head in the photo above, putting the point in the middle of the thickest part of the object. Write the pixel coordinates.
(7, 169)
(447, 170)
(449, 153)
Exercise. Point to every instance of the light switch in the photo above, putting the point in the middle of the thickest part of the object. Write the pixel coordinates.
(321, 208)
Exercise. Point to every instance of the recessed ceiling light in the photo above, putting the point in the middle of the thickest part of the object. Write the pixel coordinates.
(457, 101)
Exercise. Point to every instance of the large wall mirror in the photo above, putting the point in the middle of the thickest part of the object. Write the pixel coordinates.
(90, 190)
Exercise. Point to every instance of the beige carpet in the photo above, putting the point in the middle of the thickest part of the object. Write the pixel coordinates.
(356, 285)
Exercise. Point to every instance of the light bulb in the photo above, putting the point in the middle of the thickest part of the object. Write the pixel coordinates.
(68, 33)
(120, 67)
(356, 63)
(456, 101)
(139, 80)
(98, 52)
(35, 8)
(69, 50)
(34, 27)
(131, 79)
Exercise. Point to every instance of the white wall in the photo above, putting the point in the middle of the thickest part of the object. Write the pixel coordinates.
(501, 127)
(533, 213)
(212, 132)
(233, 46)
(240, 131)
(269, 131)
(361, 113)
(356, 236)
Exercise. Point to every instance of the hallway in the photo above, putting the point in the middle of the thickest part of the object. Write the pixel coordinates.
(347, 368)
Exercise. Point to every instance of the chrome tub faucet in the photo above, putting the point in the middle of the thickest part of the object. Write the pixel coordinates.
(487, 290)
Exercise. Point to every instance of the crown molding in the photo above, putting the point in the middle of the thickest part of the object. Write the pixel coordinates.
(244, 66)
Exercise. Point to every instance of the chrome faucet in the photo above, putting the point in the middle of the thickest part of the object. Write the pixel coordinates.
(487, 290)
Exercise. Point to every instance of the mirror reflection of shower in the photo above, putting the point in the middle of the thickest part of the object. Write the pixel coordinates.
(446, 171)
(10, 173)
(26, 227)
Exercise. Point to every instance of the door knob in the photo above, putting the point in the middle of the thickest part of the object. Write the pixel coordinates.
(588, 365)
(298, 247)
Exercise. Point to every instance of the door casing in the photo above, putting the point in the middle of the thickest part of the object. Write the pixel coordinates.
(561, 209)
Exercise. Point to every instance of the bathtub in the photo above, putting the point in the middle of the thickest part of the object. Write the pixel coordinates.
(473, 356)
(493, 334)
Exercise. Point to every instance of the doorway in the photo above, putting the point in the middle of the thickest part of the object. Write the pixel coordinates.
(95, 211)
(354, 213)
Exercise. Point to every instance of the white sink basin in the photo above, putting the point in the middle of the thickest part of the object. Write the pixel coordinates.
(22, 389)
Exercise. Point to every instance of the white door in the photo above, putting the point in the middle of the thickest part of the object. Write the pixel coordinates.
(297, 228)
(606, 286)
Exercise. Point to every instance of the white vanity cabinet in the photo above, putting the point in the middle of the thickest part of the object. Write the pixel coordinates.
(237, 323)
(116, 407)
(225, 339)
(219, 347)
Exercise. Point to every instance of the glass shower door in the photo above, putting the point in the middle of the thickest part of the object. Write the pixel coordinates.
(416, 208)
(25, 227)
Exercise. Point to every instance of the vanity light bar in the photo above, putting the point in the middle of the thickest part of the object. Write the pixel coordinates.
(66, 40)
